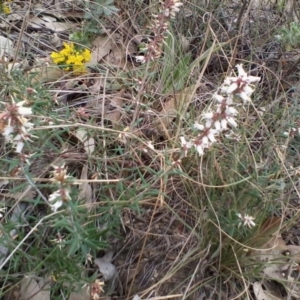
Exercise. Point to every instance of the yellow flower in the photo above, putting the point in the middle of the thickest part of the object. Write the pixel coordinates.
(57, 57)
(6, 9)
(86, 53)
(73, 57)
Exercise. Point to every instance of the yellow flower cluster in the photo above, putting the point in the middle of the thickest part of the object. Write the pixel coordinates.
(5, 8)
(72, 58)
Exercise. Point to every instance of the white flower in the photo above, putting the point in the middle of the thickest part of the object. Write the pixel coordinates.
(199, 126)
(218, 125)
(208, 115)
(211, 135)
(246, 220)
(56, 199)
(8, 130)
(204, 141)
(232, 121)
(150, 145)
(224, 124)
(219, 98)
(184, 143)
(230, 111)
(199, 149)
(140, 58)
(245, 97)
(24, 111)
(244, 76)
(19, 146)
(232, 87)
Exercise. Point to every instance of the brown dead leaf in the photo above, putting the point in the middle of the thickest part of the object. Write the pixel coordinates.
(34, 289)
(262, 294)
(106, 268)
(13, 293)
(266, 232)
(82, 294)
(116, 101)
(294, 252)
(49, 22)
(277, 273)
(116, 58)
(271, 250)
(172, 106)
(99, 83)
(101, 47)
(45, 73)
(85, 188)
(88, 142)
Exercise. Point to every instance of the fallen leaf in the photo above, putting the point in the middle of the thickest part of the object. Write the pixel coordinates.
(88, 142)
(81, 294)
(172, 106)
(34, 290)
(6, 47)
(86, 192)
(98, 84)
(106, 268)
(49, 22)
(271, 250)
(262, 294)
(13, 293)
(294, 252)
(45, 73)
(116, 57)
(101, 47)
(269, 228)
(116, 101)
